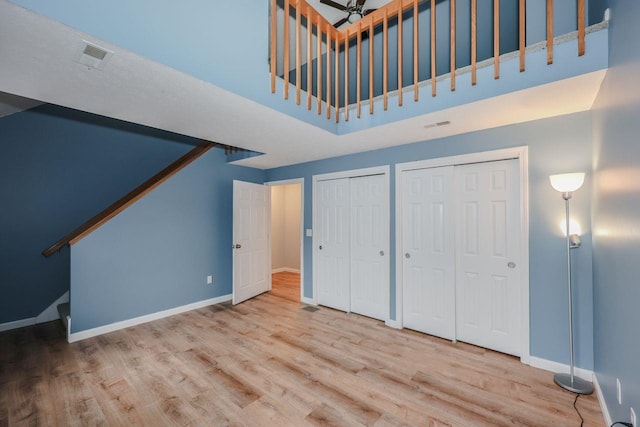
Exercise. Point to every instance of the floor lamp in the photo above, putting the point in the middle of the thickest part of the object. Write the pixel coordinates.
(566, 184)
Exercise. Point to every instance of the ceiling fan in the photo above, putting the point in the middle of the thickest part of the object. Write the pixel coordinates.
(354, 9)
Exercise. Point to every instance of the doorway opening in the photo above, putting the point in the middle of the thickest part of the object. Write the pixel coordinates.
(286, 239)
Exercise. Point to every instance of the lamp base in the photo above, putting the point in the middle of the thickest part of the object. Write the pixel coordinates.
(578, 385)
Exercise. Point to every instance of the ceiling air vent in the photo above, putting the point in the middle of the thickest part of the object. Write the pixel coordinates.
(93, 56)
(434, 125)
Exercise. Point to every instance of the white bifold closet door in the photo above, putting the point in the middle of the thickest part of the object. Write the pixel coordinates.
(369, 242)
(488, 255)
(333, 240)
(429, 257)
(461, 242)
(352, 244)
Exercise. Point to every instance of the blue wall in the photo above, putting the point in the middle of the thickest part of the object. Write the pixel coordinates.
(556, 145)
(157, 254)
(59, 168)
(616, 215)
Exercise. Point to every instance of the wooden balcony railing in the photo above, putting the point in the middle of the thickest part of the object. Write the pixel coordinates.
(334, 50)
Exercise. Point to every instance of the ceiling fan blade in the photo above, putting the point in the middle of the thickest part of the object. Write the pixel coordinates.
(368, 11)
(333, 4)
(361, 2)
(340, 22)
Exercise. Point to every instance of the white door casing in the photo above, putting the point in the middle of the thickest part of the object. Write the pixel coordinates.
(251, 240)
(332, 243)
(369, 246)
(488, 255)
(428, 257)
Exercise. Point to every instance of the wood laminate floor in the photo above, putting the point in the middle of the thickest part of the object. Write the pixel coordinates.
(267, 362)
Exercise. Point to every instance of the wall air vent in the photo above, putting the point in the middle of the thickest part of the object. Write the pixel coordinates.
(92, 55)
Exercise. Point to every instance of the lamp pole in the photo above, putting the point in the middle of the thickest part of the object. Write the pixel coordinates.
(570, 382)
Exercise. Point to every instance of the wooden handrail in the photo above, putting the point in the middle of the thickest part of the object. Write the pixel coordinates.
(132, 197)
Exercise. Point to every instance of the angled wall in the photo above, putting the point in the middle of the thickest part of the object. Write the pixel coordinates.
(616, 215)
(59, 168)
(157, 254)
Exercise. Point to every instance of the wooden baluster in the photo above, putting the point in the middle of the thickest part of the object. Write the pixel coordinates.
(298, 52)
(346, 76)
(581, 29)
(337, 79)
(371, 82)
(549, 31)
(359, 70)
(274, 42)
(328, 71)
(286, 49)
(400, 54)
(433, 48)
(319, 64)
(522, 35)
(385, 59)
(415, 49)
(309, 59)
(452, 15)
(496, 39)
(474, 42)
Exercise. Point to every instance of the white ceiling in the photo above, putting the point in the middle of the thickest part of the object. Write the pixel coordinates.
(42, 64)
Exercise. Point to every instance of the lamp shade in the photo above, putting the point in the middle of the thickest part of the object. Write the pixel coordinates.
(567, 182)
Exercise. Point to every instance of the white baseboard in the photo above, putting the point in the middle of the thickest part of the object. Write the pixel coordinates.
(17, 324)
(549, 365)
(285, 270)
(393, 324)
(603, 403)
(48, 315)
(89, 333)
(51, 313)
(308, 301)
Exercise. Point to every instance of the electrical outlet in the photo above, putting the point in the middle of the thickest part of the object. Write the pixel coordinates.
(619, 388)
(209, 280)
(633, 418)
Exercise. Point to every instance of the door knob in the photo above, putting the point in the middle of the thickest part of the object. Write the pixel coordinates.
(407, 255)
(381, 253)
(320, 247)
(238, 246)
(511, 264)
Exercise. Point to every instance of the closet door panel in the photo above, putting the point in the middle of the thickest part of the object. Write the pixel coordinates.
(428, 251)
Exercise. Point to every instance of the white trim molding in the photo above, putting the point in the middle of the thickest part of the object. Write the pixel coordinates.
(603, 403)
(17, 324)
(557, 367)
(308, 301)
(522, 154)
(285, 270)
(89, 333)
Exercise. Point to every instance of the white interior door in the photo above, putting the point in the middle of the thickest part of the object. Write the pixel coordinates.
(332, 243)
(370, 246)
(488, 255)
(251, 241)
(428, 264)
